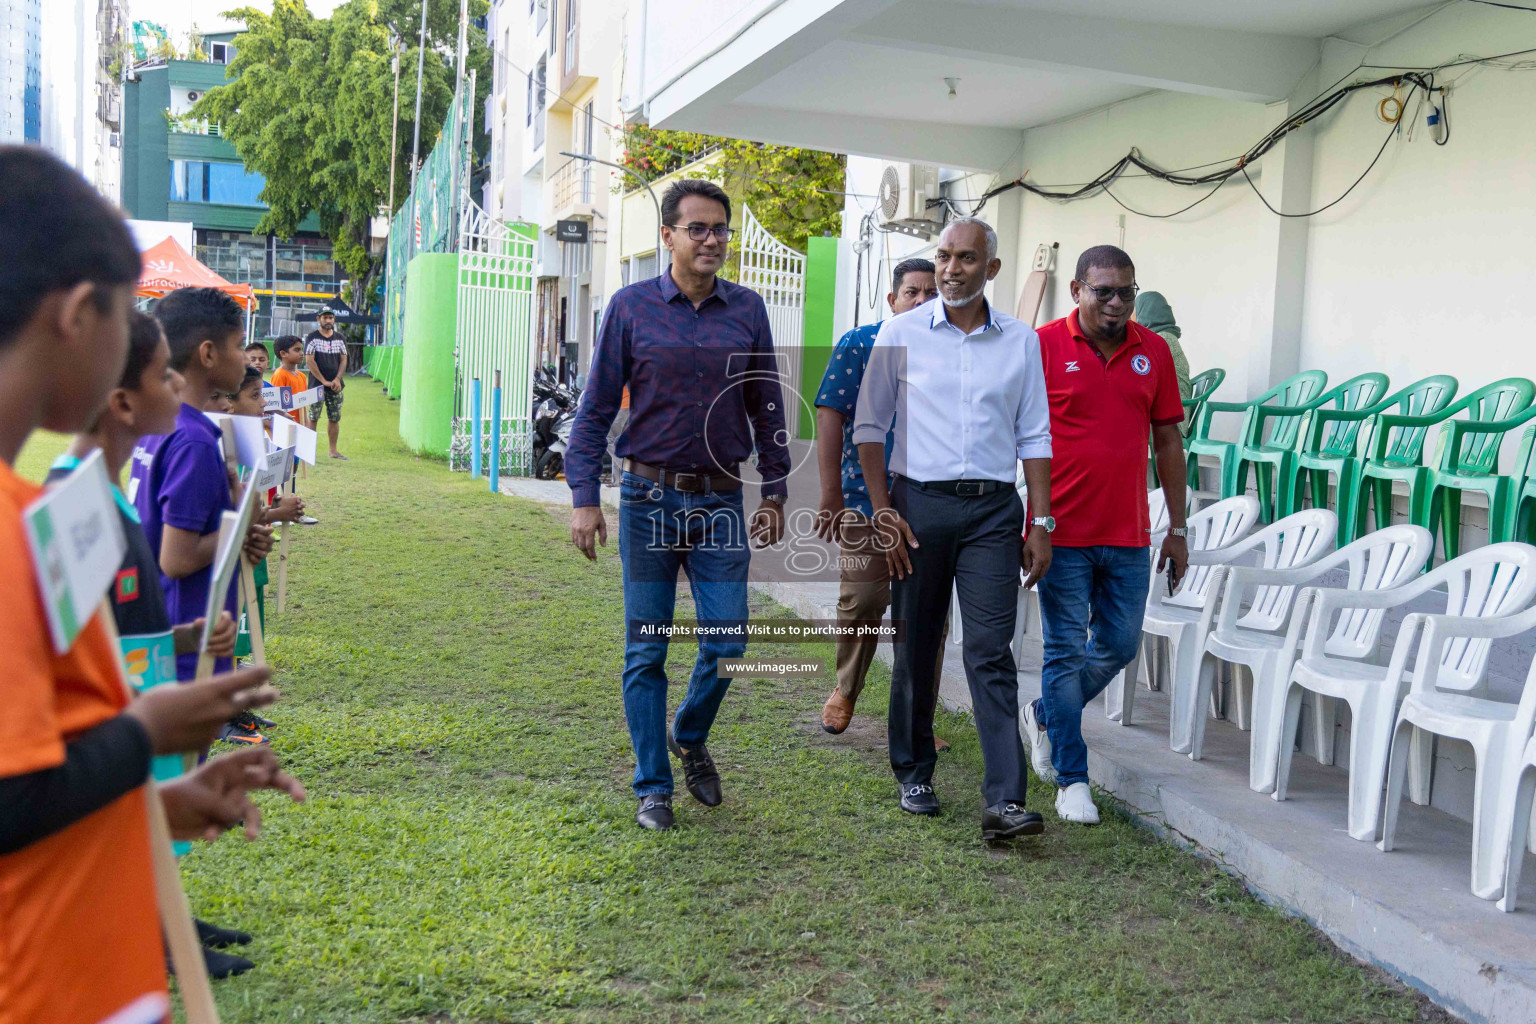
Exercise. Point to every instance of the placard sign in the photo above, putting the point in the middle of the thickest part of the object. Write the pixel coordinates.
(77, 547)
(276, 469)
(310, 397)
(226, 559)
(249, 442)
(276, 399)
(288, 434)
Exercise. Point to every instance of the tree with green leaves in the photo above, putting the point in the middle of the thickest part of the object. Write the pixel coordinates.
(795, 193)
(308, 106)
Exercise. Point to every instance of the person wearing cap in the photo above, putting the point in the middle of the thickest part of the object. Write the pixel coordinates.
(325, 351)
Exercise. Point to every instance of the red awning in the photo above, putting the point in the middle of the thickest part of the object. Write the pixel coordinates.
(168, 266)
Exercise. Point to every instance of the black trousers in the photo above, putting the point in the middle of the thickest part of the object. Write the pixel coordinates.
(971, 544)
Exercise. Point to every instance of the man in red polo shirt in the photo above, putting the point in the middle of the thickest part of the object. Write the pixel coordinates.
(1111, 383)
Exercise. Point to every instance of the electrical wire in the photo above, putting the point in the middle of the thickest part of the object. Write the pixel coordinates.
(1507, 7)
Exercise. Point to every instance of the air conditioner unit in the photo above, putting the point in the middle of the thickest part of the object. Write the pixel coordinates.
(193, 96)
(905, 193)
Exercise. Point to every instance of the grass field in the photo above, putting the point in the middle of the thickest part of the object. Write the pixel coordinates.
(450, 670)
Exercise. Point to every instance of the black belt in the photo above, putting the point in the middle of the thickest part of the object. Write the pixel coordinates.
(959, 488)
(688, 483)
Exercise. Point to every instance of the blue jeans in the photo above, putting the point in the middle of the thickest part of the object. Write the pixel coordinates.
(662, 529)
(1097, 590)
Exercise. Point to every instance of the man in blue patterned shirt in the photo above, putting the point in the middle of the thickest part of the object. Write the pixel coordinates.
(864, 590)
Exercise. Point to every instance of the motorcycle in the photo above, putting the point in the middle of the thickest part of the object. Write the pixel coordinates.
(554, 413)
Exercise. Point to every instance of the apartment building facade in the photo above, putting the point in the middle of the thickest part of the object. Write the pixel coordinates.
(558, 66)
(181, 169)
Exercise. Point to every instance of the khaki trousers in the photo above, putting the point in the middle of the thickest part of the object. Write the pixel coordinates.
(863, 595)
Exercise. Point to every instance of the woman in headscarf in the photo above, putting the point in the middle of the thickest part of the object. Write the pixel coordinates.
(1154, 313)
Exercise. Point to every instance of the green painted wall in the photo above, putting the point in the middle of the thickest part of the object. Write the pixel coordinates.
(149, 147)
(146, 165)
(431, 316)
(820, 293)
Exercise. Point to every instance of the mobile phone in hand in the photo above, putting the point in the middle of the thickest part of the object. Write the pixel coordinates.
(1171, 585)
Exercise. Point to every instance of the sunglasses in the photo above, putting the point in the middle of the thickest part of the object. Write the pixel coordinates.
(1102, 295)
(699, 232)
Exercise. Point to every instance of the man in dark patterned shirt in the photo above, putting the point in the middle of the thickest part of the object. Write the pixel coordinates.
(697, 356)
(864, 584)
(326, 352)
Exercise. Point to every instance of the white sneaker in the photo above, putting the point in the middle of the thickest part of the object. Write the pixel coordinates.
(1075, 803)
(1038, 741)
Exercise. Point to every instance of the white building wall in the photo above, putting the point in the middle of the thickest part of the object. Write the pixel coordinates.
(80, 104)
(1423, 269)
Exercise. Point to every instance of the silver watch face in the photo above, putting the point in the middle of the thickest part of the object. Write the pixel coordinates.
(1049, 522)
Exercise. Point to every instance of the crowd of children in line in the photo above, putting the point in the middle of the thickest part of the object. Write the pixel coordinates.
(80, 937)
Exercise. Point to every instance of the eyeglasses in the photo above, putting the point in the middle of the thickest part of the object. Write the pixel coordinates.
(1102, 295)
(699, 232)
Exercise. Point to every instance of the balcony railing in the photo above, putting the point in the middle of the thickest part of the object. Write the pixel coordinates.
(190, 126)
(573, 184)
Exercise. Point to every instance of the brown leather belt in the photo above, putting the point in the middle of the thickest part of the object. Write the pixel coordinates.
(688, 483)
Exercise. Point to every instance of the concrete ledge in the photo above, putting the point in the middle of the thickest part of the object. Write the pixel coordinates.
(1410, 912)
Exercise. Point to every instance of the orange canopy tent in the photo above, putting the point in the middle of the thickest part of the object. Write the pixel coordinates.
(167, 266)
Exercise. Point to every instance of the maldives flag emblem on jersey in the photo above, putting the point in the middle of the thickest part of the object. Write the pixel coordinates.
(128, 585)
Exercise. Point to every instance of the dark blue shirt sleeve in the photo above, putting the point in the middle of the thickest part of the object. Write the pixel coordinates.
(599, 405)
(840, 388)
(764, 399)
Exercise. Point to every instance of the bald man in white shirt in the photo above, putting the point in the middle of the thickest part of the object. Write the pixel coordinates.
(963, 388)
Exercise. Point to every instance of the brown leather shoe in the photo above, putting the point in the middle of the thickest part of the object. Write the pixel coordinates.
(836, 713)
(940, 745)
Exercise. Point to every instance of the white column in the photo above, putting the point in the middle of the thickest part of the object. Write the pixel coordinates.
(1286, 183)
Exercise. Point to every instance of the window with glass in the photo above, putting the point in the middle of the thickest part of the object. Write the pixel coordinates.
(208, 181)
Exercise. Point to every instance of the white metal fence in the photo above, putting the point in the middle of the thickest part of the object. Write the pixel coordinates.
(495, 332)
(777, 273)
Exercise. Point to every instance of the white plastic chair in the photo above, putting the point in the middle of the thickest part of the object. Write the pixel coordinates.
(1157, 516)
(1259, 639)
(1491, 581)
(1174, 618)
(1499, 733)
(1515, 838)
(1293, 543)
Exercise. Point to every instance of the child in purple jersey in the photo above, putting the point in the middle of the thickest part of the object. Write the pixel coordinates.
(180, 484)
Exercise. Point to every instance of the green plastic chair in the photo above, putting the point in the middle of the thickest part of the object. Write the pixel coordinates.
(1289, 393)
(1521, 523)
(1468, 460)
(1201, 387)
(1393, 449)
(1273, 458)
(1331, 441)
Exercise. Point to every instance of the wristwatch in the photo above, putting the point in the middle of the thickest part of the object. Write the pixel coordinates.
(1179, 531)
(777, 499)
(1049, 522)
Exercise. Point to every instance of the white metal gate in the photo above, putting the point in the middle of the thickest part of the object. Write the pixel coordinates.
(495, 332)
(777, 273)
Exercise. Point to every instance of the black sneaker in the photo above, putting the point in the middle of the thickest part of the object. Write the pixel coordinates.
(698, 772)
(214, 937)
(1009, 820)
(244, 732)
(655, 812)
(262, 723)
(919, 798)
(224, 965)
